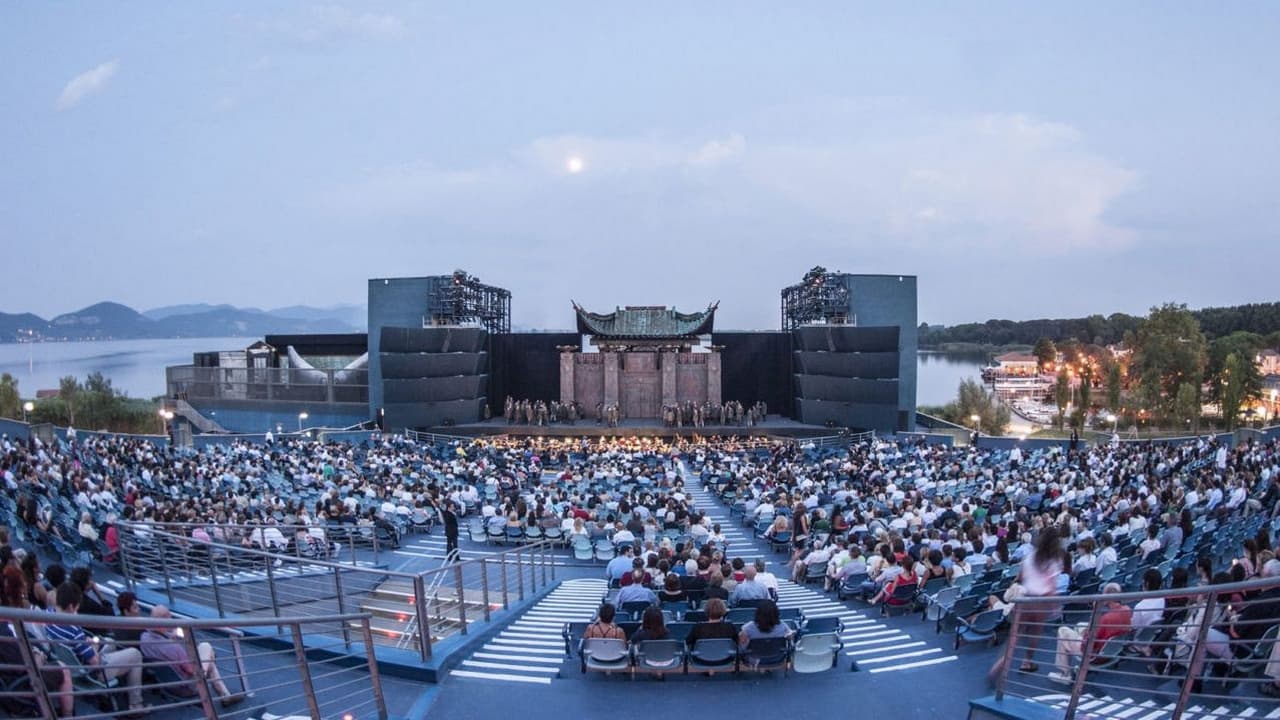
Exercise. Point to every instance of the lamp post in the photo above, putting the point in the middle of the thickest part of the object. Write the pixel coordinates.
(977, 422)
(1111, 418)
(301, 416)
(165, 417)
(29, 407)
(1274, 392)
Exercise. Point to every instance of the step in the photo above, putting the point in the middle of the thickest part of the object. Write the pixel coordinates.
(1011, 708)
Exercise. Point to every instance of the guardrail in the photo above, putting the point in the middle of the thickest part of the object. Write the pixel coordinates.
(326, 541)
(1210, 645)
(441, 439)
(409, 611)
(232, 679)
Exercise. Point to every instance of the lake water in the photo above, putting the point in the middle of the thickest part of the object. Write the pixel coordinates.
(134, 366)
(137, 366)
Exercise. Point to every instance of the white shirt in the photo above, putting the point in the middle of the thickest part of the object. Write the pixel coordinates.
(1147, 612)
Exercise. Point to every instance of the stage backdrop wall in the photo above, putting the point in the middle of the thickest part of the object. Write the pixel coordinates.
(756, 366)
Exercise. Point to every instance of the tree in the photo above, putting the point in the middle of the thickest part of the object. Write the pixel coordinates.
(1062, 394)
(973, 399)
(1086, 387)
(1232, 395)
(1168, 350)
(1187, 406)
(10, 399)
(1113, 386)
(1045, 351)
(1245, 346)
(68, 392)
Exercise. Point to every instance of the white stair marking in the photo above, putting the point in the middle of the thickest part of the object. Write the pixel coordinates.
(500, 676)
(911, 665)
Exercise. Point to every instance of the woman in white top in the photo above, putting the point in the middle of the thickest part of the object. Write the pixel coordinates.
(1039, 578)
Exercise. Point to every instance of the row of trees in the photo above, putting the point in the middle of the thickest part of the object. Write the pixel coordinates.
(1262, 319)
(1172, 371)
(973, 400)
(93, 404)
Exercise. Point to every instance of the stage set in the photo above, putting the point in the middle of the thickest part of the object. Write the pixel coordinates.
(442, 358)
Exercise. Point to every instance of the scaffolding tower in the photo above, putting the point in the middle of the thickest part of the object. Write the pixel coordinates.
(461, 299)
(821, 297)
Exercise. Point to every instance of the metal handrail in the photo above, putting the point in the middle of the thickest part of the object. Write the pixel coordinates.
(1187, 643)
(193, 690)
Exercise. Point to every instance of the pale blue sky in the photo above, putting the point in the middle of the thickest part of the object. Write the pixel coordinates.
(1023, 159)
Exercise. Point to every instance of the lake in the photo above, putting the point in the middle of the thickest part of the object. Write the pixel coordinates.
(137, 366)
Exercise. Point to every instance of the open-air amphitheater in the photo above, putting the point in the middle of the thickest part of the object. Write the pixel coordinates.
(376, 575)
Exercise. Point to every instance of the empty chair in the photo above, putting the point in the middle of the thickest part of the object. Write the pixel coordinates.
(713, 655)
(635, 607)
(940, 603)
(604, 550)
(822, 625)
(816, 652)
(605, 655)
(983, 628)
(583, 551)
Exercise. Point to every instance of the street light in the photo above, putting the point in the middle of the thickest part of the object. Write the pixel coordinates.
(1274, 392)
(977, 422)
(1111, 418)
(301, 416)
(28, 406)
(165, 417)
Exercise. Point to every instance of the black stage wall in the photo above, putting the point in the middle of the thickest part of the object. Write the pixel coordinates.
(756, 366)
(526, 366)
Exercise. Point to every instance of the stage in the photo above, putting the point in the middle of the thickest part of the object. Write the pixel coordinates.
(773, 425)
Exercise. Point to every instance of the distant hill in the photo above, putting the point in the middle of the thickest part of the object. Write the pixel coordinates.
(113, 321)
(161, 313)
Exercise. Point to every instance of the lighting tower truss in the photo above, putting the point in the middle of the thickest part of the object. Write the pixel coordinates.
(821, 297)
(462, 299)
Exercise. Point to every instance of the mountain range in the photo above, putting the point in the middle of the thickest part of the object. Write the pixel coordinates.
(113, 321)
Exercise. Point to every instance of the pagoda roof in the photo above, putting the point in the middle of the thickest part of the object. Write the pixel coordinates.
(645, 322)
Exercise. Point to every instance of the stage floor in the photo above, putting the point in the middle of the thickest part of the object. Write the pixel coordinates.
(773, 425)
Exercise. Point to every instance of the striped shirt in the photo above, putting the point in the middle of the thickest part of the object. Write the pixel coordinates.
(72, 636)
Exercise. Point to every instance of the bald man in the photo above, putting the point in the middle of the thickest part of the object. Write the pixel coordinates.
(164, 645)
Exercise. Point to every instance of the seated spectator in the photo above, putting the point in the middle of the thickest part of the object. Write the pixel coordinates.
(766, 578)
(714, 626)
(126, 663)
(127, 604)
(749, 588)
(908, 576)
(1147, 612)
(715, 587)
(57, 679)
(671, 591)
(652, 627)
(620, 565)
(1117, 620)
(164, 645)
(86, 529)
(635, 591)
(603, 627)
(766, 624)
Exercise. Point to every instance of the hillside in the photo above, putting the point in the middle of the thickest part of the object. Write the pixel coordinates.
(114, 321)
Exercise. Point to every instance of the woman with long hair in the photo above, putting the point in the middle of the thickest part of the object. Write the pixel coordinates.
(1039, 578)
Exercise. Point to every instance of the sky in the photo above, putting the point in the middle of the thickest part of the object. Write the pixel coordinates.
(1022, 159)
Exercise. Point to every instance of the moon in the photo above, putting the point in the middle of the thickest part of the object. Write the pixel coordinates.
(574, 164)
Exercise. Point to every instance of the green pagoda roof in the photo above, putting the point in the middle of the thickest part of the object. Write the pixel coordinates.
(645, 322)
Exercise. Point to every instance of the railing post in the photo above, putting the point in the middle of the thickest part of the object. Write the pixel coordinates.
(424, 618)
(484, 587)
(1086, 657)
(126, 568)
(1197, 655)
(271, 586)
(37, 679)
(213, 579)
(502, 560)
(462, 600)
(300, 652)
(202, 687)
(1010, 650)
(375, 680)
(543, 556)
(519, 575)
(164, 568)
(342, 604)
